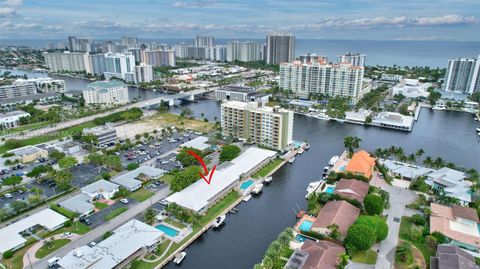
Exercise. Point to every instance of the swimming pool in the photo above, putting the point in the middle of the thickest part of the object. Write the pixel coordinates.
(330, 189)
(306, 225)
(167, 230)
(342, 168)
(300, 238)
(246, 184)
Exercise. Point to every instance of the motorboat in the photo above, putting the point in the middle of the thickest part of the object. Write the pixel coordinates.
(478, 130)
(268, 180)
(325, 170)
(312, 188)
(179, 257)
(333, 160)
(307, 146)
(300, 151)
(257, 189)
(219, 221)
(292, 160)
(247, 198)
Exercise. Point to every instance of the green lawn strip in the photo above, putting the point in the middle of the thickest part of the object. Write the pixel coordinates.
(213, 212)
(16, 262)
(115, 213)
(76, 228)
(174, 223)
(162, 247)
(100, 205)
(29, 127)
(366, 257)
(140, 195)
(167, 178)
(406, 226)
(267, 168)
(55, 244)
(45, 138)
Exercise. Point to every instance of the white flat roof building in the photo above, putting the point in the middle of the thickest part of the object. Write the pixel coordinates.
(199, 143)
(101, 189)
(79, 203)
(405, 170)
(10, 235)
(358, 117)
(129, 180)
(200, 196)
(126, 243)
(393, 120)
(12, 119)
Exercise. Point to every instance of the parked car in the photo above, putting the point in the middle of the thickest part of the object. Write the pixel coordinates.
(124, 200)
(67, 234)
(87, 221)
(92, 244)
(8, 195)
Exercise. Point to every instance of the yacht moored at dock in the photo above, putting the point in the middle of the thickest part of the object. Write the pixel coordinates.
(307, 146)
(312, 188)
(219, 221)
(247, 198)
(292, 160)
(257, 189)
(300, 151)
(179, 257)
(268, 180)
(333, 160)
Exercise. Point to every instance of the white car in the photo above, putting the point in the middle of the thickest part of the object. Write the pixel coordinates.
(8, 195)
(53, 261)
(92, 244)
(124, 200)
(67, 234)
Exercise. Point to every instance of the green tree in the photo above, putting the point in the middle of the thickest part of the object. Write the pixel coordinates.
(403, 251)
(334, 233)
(185, 178)
(12, 181)
(39, 170)
(418, 219)
(187, 159)
(132, 166)
(373, 204)
(360, 237)
(149, 216)
(381, 227)
(229, 152)
(343, 260)
(63, 179)
(56, 155)
(19, 206)
(67, 162)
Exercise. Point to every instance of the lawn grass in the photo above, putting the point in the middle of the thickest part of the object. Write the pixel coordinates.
(367, 257)
(56, 244)
(165, 120)
(100, 205)
(167, 178)
(140, 195)
(29, 127)
(16, 262)
(77, 228)
(220, 206)
(406, 227)
(48, 137)
(272, 103)
(162, 247)
(174, 223)
(114, 213)
(267, 168)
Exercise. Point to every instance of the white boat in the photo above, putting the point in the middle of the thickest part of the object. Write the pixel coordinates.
(312, 187)
(268, 180)
(257, 189)
(179, 257)
(300, 151)
(478, 130)
(325, 170)
(333, 160)
(307, 146)
(219, 221)
(292, 160)
(247, 198)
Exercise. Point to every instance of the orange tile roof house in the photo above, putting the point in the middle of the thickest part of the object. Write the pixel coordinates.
(352, 189)
(460, 224)
(341, 213)
(361, 164)
(316, 255)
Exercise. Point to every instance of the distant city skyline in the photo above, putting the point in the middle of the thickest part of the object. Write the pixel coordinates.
(306, 19)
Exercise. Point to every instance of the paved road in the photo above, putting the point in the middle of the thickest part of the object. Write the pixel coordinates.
(108, 226)
(66, 124)
(399, 198)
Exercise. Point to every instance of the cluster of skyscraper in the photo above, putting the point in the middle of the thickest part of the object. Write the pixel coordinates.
(463, 75)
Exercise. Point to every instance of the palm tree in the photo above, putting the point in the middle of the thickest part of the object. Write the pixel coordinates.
(149, 216)
(403, 251)
(439, 162)
(419, 153)
(411, 158)
(343, 260)
(351, 143)
(334, 233)
(428, 161)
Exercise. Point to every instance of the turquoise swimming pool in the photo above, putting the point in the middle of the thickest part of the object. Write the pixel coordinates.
(330, 189)
(342, 168)
(306, 225)
(246, 184)
(300, 238)
(167, 230)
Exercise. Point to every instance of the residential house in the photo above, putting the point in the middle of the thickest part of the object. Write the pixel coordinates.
(459, 224)
(452, 257)
(452, 183)
(316, 255)
(352, 189)
(341, 213)
(130, 180)
(406, 171)
(80, 204)
(101, 189)
(361, 164)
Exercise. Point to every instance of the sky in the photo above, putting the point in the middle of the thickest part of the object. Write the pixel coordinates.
(306, 19)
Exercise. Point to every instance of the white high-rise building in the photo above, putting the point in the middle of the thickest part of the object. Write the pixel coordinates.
(65, 61)
(245, 51)
(18, 88)
(463, 75)
(271, 127)
(144, 73)
(279, 48)
(94, 63)
(204, 41)
(159, 57)
(217, 53)
(342, 79)
(47, 85)
(107, 93)
(181, 50)
(120, 66)
(356, 59)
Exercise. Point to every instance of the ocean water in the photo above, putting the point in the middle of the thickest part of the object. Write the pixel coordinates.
(379, 52)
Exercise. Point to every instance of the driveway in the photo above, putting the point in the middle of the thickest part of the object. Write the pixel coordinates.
(399, 198)
(108, 226)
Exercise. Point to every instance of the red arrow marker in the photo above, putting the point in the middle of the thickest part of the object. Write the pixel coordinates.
(205, 169)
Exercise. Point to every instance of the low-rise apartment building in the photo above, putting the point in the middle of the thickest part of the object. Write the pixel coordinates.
(106, 93)
(11, 119)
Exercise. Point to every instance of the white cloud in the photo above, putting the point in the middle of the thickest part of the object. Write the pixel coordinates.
(7, 11)
(193, 4)
(13, 2)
